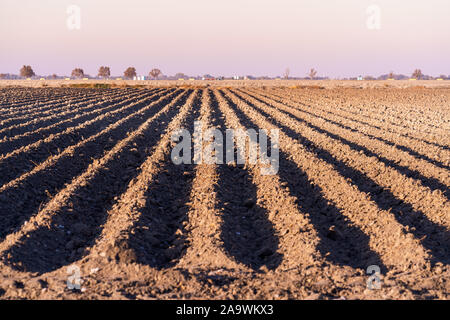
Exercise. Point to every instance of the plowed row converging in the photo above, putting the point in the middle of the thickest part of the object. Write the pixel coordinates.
(98, 180)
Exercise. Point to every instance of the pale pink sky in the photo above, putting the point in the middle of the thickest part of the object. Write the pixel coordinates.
(231, 37)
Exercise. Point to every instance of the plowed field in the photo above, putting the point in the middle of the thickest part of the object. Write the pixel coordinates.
(87, 183)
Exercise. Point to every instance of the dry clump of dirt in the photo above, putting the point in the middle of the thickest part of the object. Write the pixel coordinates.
(88, 189)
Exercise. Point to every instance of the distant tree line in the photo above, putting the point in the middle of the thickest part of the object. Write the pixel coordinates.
(104, 72)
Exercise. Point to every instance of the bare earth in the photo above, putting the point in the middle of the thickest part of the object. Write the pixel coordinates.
(232, 83)
(87, 180)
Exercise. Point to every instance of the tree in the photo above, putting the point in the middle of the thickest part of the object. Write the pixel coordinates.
(391, 75)
(286, 73)
(130, 73)
(180, 75)
(417, 74)
(443, 76)
(104, 72)
(312, 74)
(77, 73)
(154, 73)
(27, 72)
(54, 76)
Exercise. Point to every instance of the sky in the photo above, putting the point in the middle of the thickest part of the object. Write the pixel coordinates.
(339, 38)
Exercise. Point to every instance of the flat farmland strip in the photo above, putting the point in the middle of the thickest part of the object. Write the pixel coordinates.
(29, 137)
(26, 158)
(428, 175)
(440, 157)
(74, 199)
(87, 199)
(354, 204)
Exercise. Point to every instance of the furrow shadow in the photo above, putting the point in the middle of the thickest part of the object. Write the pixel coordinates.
(432, 183)
(158, 238)
(247, 234)
(24, 161)
(75, 226)
(15, 124)
(340, 242)
(19, 203)
(42, 133)
(434, 237)
(36, 120)
(343, 126)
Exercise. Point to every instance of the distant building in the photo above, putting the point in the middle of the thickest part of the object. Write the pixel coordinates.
(208, 77)
(359, 78)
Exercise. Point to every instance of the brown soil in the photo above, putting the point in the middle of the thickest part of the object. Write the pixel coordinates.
(86, 180)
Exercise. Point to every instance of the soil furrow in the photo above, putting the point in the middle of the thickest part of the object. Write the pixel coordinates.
(205, 252)
(73, 219)
(417, 102)
(24, 196)
(432, 197)
(355, 205)
(19, 106)
(378, 124)
(40, 121)
(413, 149)
(24, 159)
(65, 103)
(145, 224)
(31, 136)
(102, 182)
(389, 112)
(430, 227)
(293, 228)
(321, 220)
(247, 234)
